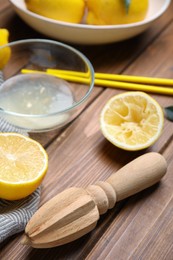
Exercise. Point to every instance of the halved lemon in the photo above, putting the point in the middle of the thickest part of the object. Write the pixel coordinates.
(24, 163)
(132, 120)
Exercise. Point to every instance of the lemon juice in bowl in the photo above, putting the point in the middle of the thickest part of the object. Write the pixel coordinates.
(37, 100)
(33, 96)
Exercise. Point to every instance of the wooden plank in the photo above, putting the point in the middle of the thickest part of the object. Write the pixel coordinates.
(157, 244)
(3, 5)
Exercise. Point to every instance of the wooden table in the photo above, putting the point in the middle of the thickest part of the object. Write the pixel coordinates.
(140, 227)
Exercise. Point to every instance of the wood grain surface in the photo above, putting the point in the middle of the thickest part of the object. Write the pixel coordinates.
(137, 228)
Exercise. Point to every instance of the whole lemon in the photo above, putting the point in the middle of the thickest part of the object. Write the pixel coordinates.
(108, 12)
(62, 10)
(5, 52)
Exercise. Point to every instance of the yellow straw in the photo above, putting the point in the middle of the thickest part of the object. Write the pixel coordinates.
(124, 78)
(69, 72)
(60, 75)
(135, 79)
(134, 86)
(108, 83)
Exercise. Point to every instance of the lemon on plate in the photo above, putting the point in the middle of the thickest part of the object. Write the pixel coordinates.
(109, 12)
(62, 10)
(132, 120)
(5, 52)
(24, 163)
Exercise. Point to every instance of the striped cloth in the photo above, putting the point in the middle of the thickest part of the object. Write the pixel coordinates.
(14, 215)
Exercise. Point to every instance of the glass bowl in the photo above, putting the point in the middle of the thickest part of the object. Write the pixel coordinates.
(33, 96)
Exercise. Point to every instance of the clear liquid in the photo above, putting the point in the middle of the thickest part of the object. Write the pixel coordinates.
(36, 94)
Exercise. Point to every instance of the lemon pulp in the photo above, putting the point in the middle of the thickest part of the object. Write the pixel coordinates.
(24, 163)
(132, 120)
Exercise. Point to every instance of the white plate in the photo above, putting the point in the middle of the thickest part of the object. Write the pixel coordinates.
(89, 34)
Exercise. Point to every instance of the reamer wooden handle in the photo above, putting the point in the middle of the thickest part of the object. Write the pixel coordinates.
(134, 177)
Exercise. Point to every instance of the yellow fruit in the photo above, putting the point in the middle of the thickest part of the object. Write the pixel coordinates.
(132, 120)
(5, 52)
(24, 163)
(107, 12)
(62, 10)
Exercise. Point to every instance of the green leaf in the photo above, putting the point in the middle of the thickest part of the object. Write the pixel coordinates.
(169, 113)
(127, 5)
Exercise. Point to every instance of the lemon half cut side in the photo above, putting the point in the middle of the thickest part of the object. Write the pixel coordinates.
(24, 163)
(132, 120)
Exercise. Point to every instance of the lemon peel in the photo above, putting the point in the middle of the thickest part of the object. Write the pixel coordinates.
(132, 120)
(67, 11)
(109, 12)
(4, 52)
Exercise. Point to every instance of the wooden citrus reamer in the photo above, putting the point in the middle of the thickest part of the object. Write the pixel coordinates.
(75, 211)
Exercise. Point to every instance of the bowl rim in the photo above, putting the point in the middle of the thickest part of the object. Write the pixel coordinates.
(93, 27)
(74, 50)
